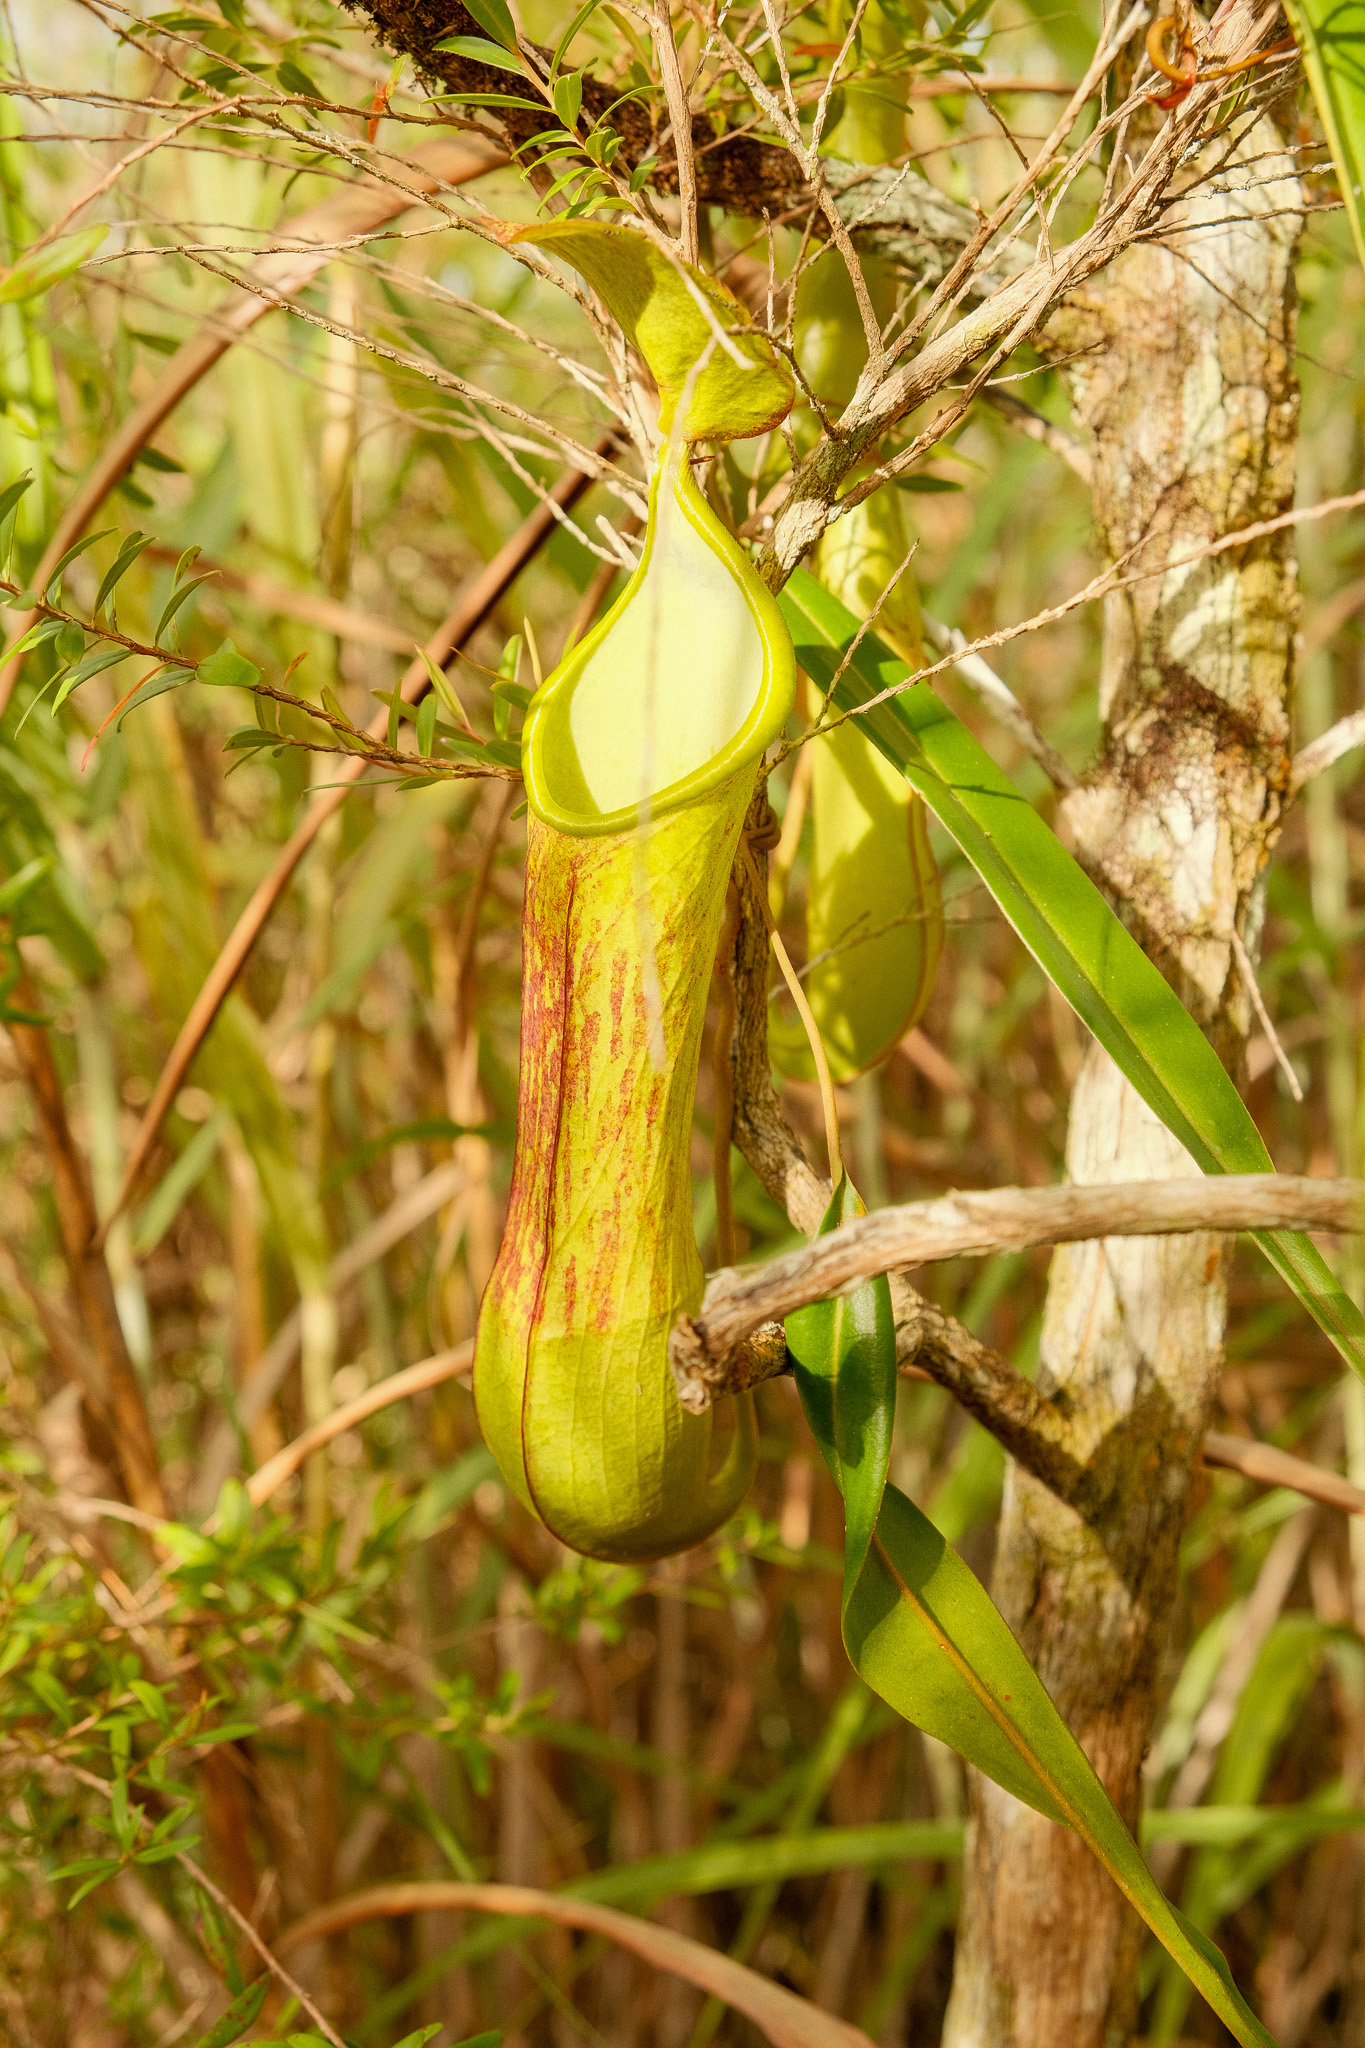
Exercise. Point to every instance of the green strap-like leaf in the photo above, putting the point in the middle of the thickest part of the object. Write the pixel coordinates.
(925, 1635)
(845, 1357)
(922, 1631)
(1331, 37)
(1066, 924)
(675, 315)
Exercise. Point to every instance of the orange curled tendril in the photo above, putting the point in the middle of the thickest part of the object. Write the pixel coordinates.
(1185, 71)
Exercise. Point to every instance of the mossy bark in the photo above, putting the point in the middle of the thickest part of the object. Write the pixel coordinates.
(1190, 395)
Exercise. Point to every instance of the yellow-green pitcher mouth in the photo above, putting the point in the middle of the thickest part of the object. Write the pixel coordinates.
(687, 678)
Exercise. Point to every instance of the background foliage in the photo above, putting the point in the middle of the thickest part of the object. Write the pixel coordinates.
(389, 1671)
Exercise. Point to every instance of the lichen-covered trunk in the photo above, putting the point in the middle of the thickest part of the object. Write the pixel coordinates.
(1190, 395)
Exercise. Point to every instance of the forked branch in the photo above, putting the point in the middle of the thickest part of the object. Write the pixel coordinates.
(738, 1300)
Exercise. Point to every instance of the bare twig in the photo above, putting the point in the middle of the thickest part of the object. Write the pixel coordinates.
(111, 177)
(1253, 989)
(263, 1950)
(997, 694)
(680, 121)
(1340, 739)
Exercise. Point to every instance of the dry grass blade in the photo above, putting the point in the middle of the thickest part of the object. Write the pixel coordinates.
(1271, 1467)
(788, 2021)
(414, 1379)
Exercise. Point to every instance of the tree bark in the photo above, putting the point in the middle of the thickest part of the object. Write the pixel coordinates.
(1190, 396)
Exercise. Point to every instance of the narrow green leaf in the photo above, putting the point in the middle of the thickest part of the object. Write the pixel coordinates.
(445, 690)
(181, 593)
(81, 545)
(925, 1635)
(154, 685)
(69, 645)
(36, 636)
(426, 726)
(845, 1355)
(927, 485)
(1066, 924)
(588, 8)
(1331, 38)
(12, 493)
(481, 51)
(488, 99)
(495, 19)
(243, 2012)
(39, 272)
(171, 1193)
(93, 665)
(14, 890)
(121, 564)
(568, 98)
(295, 80)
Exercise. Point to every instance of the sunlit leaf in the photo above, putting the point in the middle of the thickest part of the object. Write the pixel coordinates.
(46, 267)
(925, 1635)
(482, 52)
(228, 670)
(1331, 38)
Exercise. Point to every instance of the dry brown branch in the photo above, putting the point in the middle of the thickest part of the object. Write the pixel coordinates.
(788, 2021)
(474, 607)
(1005, 1219)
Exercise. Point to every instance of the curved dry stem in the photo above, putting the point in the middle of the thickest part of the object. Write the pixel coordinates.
(788, 2021)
